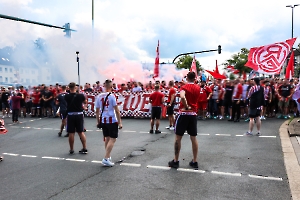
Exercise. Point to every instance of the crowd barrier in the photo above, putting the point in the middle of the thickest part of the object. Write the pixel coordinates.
(130, 104)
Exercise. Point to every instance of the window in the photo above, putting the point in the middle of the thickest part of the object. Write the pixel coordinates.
(0, 69)
(27, 80)
(26, 71)
(22, 80)
(1, 79)
(6, 79)
(10, 70)
(11, 79)
(5, 69)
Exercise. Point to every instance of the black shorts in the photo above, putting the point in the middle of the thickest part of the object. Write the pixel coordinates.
(246, 102)
(253, 113)
(22, 103)
(5, 105)
(227, 103)
(242, 103)
(35, 105)
(220, 103)
(186, 123)
(75, 123)
(156, 113)
(63, 114)
(170, 110)
(110, 130)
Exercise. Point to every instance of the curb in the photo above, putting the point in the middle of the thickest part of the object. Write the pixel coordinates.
(293, 128)
(290, 161)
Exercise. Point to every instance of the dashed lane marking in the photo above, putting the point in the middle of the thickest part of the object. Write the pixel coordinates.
(10, 154)
(223, 135)
(29, 156)
(267, 136)
(131, 164)
(203, 133)
(239, 135)
(157, 167)
(53, 158)
(226, 173)
(191, 170)
(75, 160)
(126, 131)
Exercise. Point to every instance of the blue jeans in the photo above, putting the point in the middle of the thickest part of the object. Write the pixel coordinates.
(213, 107)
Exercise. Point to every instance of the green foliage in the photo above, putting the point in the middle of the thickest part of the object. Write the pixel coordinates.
(231, 76)
(185, 62)
(239, 60)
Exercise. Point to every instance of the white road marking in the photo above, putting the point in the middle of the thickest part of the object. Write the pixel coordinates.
(203, 133)
(48, 128)
(129, 131)
(223, 134)
(265, 136)
(191, 170)
(10, 154)
(226, 173)
(266, 177)
(75, 160)
(37, 128)
(53, 158)
(131, 164)
(158, 167)
(143, 132)
(239, 135)
(96, 161)
(29, 156)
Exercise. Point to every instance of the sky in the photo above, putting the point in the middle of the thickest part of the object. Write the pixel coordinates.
(127, 31)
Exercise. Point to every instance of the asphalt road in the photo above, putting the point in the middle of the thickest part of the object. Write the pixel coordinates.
(37, 165)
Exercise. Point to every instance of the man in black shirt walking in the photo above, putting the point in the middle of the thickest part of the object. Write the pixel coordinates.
(75, 117)
(62, 110)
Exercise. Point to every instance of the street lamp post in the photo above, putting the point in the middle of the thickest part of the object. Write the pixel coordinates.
(77, 52)
(292, 6)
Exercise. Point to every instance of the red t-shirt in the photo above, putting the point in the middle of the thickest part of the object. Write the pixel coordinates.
(35, 97)
(156, 97)
(237, 91)
(24, 92)
(192, 93)
(204, 92)
(171, 92)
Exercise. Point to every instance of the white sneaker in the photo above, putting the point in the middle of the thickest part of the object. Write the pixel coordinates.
(172, 128)
(107, 162)
(168, 127)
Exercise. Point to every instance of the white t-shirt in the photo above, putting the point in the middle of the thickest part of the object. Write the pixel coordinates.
(109, 115)
(137, 89)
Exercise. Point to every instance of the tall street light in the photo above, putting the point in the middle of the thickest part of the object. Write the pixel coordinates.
(77, 52)
(292, 6)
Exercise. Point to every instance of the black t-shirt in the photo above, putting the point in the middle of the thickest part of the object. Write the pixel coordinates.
(62, 102)
(285, 90)
(4, 96)
(76, 104)
(228, 92)
(48, 94)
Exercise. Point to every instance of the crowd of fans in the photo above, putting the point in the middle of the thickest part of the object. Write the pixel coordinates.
(219, 99)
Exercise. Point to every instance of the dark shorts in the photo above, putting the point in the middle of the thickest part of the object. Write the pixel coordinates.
(110, 130)
(170, 110)
(156, 113)
(242, 103)
(246, 102)
(36, 105)
(75, 123)
(227, 103)
(220, 103)
(253, 113)
(186, 123)
(63, 114)
(5, 105)
(22, 103)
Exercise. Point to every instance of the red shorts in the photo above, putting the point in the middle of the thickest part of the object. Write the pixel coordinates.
(202, 105)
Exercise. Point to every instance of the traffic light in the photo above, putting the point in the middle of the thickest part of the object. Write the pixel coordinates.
(219, 49)
(67, 30)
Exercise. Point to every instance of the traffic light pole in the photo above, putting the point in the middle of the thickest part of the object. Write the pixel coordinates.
(218, 50)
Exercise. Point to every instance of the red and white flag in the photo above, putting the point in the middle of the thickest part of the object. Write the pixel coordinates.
(194, 66)
(156, 65)
(217, 69)
(290, 68)
(269, 59)
(231, 69)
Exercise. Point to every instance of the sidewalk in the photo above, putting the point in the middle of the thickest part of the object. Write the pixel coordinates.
(290, 142)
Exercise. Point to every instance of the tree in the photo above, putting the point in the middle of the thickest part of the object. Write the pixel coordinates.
(239, 60)
(185, 62)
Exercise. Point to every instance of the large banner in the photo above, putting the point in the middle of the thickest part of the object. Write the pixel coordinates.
(130, 104)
